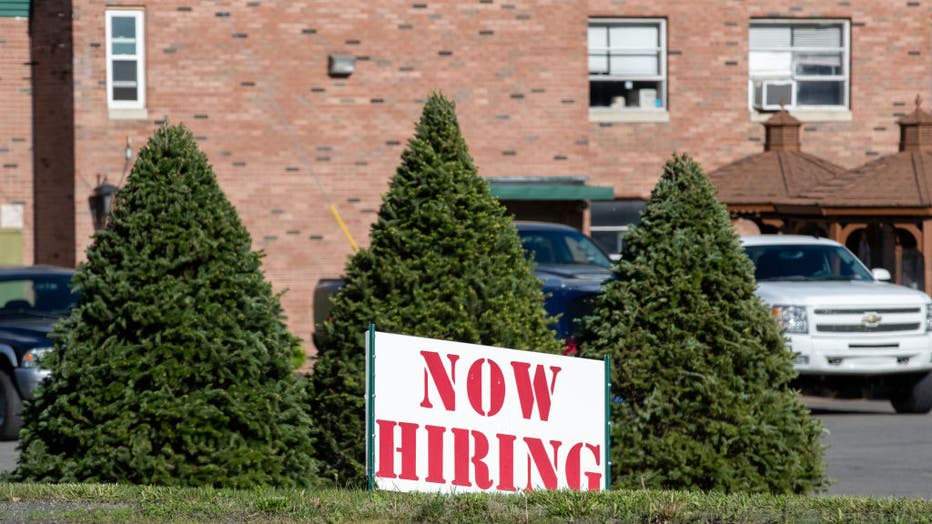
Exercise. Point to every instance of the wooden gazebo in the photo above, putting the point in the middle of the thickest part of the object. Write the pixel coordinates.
(767, 192)
(882, 210)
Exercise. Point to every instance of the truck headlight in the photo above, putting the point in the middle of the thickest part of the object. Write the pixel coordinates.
(929, 317)
(33, 357)
(792, 319)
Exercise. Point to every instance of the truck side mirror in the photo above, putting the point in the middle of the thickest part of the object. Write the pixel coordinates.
(881, 274)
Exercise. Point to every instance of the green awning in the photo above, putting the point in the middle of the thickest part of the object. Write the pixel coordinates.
(14, 8)
(512, 191)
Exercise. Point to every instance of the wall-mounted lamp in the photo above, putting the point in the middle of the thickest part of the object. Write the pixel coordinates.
(340, 65)
(101, 202)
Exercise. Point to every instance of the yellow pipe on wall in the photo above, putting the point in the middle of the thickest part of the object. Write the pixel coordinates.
(336, 215)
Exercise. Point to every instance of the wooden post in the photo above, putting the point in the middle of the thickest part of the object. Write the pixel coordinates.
(898, 261)
(834, 232)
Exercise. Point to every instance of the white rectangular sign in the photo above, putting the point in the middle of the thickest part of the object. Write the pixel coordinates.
(11, 216)
(452, 417)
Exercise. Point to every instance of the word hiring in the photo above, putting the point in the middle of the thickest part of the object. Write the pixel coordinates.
(482, 460)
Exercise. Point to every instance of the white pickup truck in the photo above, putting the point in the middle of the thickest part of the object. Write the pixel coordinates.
(853, 334)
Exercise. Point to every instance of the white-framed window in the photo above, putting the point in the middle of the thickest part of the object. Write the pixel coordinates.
(627, 64)
(610, 221)
(802, 63)
(126, 59)
(609, 238)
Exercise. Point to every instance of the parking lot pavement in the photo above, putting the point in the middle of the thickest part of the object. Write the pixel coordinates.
(8, 455)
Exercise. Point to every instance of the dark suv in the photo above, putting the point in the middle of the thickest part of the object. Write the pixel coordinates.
(572, 269)
(32, 299)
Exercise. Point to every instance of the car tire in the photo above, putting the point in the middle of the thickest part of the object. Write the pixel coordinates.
(10, 407)
(915, 396)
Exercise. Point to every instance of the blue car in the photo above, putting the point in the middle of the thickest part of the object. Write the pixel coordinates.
(570, 266)
(572, 269)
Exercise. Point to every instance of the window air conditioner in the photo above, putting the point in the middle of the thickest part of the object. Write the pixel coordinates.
(775, 91)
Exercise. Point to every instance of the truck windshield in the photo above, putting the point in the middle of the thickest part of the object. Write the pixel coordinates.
(40, 295)
(563, 247)
(805, 262)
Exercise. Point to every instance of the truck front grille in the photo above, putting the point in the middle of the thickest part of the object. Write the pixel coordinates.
(858, 328)
(864, 311)
(838, 320)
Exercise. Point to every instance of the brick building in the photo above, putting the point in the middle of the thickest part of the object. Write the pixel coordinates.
(570, 108)
(15, 134)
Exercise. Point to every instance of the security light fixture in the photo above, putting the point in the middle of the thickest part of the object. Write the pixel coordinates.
(101, 203)
(340, 65)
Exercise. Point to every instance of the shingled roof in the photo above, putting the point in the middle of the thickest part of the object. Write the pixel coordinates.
(782, 174)
(900, 180)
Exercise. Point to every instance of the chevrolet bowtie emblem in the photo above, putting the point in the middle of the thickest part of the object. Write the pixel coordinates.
(871, 320)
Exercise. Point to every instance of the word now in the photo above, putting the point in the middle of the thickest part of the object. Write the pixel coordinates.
(528, 390)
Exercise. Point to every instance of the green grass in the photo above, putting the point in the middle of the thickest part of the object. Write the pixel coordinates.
(144, 504)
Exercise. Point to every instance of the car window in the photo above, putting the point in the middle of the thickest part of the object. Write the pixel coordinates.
(805, 262)
(583, 251)
(41, 294)
(538, 247)
(563, 247)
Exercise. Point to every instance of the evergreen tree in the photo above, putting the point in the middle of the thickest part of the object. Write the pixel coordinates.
(701, 374)
(444, 261)
(175, 367)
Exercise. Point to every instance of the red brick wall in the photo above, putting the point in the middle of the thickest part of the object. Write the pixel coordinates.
(708, 68)
(15, 123)
(287, 141)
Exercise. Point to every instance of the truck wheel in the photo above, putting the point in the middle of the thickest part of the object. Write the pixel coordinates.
(915, 396)
(10, 407)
